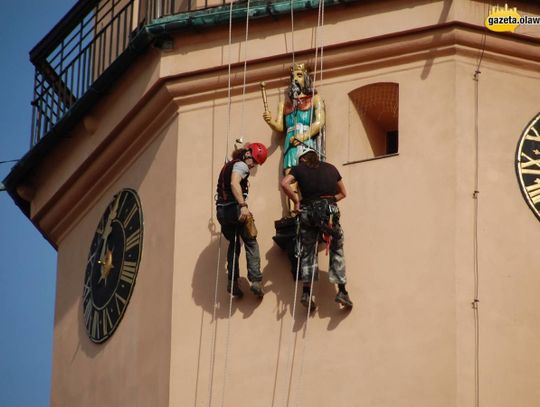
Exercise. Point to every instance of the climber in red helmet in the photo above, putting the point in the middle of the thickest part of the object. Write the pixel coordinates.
(235, 218)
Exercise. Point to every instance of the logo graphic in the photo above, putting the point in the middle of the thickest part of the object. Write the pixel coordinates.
(503, 19)
(507, 19)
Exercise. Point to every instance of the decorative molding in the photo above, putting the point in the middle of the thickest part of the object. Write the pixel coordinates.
(361, 55)
(159, 105)
(86, 185)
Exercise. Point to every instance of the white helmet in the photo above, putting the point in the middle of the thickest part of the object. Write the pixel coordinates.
(303, 150)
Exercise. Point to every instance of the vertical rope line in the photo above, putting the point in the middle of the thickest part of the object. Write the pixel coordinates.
(319, 20)
(349, 129)
(289, 359)
(322, 39)
(229, 320)
(212, 361)
(476, 299)
(476, 270)
(229, 82)
(242, 133)
(475, 266)
(301, 375)
(214, 320)
(292, 29)
(236, 231)
(322, 134)
(317, 45)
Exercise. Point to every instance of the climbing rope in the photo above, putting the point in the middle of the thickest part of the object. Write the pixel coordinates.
(320, 21)
(304, 334)
(242, 130)
(298, 254)
(229, 81)
(229, 320)
(476, 299)
(292, 30)
(8, 161)
(321, 7)
(216, 288)
(214, 319)
(318, 37)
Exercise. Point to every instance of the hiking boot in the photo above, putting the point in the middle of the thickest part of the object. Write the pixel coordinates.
(256, 288)
(305, 301)
(343, 299)
(236, 291)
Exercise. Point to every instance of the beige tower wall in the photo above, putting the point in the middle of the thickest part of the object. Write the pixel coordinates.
(507, 259)
(404, 317)
(409, 222)
(133, 367)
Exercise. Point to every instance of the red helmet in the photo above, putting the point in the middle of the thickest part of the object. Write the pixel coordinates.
(259, 152)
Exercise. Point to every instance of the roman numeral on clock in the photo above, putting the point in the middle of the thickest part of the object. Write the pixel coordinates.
(127, 273)
(133, 240)
(529, 163)
(533, 137)
(534, 191)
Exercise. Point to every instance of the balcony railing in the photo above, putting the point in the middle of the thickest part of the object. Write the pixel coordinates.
(83, 45)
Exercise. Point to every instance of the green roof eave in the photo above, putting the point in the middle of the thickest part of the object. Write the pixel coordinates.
(149, 34)
(220, 15)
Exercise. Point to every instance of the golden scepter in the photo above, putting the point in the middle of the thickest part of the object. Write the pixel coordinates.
(263, 93)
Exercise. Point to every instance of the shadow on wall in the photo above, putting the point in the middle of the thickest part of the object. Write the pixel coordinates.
(432, 52)
(205, 277)
(280, 281)
(277, 279)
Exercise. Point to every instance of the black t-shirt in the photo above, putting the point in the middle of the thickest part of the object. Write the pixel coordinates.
(316, 182)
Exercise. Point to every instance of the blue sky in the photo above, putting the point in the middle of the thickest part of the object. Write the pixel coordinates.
(28, 262)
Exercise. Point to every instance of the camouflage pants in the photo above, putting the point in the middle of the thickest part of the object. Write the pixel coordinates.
(310, 230)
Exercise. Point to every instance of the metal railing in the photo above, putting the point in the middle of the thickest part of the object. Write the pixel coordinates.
(160, 8)
(83, 45)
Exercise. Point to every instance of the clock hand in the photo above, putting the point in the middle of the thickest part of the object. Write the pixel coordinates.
(106, 266)
(105, 258)
(91, 258)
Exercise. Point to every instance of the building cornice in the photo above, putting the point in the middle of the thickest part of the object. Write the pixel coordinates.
(135, 130)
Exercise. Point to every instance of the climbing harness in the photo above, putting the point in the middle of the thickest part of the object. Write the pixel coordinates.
(328, 228)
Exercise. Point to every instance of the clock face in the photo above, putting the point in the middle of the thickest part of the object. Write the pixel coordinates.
(113, 262)
(528, 164)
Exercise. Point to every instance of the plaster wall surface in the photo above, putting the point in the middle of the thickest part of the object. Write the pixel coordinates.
(506, 226)
(401, 276)
(132, 367)
(409, 224)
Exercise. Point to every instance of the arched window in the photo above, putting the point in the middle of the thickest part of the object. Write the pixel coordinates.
(373, 121)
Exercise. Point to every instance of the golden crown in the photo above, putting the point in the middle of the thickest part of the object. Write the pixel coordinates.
(298, 67)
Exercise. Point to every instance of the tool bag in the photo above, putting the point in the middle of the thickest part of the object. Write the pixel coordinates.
(251, 229)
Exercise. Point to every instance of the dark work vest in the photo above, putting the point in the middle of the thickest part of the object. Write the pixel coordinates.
(224, 190)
